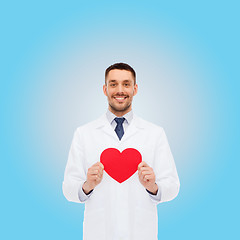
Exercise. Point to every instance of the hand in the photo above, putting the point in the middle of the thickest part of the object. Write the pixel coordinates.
(147, 177)
(94, 177)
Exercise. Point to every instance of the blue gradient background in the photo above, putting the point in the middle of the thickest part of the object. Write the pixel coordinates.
(53, 57)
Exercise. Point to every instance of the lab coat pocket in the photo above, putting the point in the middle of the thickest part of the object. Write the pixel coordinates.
(94, 225)
(145, 224)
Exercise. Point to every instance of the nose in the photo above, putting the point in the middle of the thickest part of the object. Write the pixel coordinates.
(120, 88)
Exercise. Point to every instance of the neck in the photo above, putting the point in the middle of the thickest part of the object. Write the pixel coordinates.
(119, 113)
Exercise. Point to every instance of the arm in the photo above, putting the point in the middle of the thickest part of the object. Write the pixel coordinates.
(94, 177)
(165, 170)
(161, 181)
(78, 185)
(75, 173)
(148, 179)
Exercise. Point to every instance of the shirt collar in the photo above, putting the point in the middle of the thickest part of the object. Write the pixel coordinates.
(128, 116)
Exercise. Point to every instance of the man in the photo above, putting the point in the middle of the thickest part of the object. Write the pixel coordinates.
(126, 209)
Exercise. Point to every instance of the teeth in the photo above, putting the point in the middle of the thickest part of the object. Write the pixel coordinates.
(120, 97)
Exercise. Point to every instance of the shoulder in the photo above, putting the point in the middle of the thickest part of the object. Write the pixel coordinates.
(153, 131)
(149, 126)
(92, 124)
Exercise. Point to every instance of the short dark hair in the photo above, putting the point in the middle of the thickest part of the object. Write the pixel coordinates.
(121, 66)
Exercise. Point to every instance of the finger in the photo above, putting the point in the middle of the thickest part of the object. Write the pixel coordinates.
(144, 178)
(95, 164)
(96, 177)
(141, 169)
(145, 168)
(96, 171)
(93, 177)
(96, 168)
(93, 171)
(147, 172)
(98, 164)
(101, 165)
(100, 174)
(142, 164)
(140, 177)
(149, 177)
(98, 180)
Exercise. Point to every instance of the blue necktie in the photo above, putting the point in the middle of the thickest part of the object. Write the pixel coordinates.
(119, 128)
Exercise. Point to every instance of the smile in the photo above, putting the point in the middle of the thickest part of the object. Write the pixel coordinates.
(120, 99)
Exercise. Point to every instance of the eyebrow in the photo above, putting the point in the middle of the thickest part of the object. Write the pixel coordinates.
(116, 80)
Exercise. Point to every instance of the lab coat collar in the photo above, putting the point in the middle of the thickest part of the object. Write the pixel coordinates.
(135, 125)
(111, 116)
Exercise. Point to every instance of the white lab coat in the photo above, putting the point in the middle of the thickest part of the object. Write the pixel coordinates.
(117, 211)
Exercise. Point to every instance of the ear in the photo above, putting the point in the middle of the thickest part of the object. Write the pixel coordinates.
(105, 89)
(135, 89)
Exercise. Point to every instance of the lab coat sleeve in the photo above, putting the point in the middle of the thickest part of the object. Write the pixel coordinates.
(155, 198)
(82, 195)
(165, 171)
(75, 173)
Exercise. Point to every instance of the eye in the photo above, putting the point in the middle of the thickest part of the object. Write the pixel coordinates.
(112, 84)
(126, 84)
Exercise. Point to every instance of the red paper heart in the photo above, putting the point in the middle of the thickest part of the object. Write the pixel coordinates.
(120, 166)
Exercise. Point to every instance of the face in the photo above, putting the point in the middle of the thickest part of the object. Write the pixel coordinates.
(120, 89)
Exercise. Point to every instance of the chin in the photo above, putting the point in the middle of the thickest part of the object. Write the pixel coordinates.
(120, 109)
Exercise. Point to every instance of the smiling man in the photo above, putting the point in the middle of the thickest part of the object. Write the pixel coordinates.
(120, 87)
(124, 209)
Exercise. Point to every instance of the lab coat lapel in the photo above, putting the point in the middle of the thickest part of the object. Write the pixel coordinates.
(105, 126)
(132, 129)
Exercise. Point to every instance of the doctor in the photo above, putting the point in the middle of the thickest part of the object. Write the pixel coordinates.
(113, 210)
